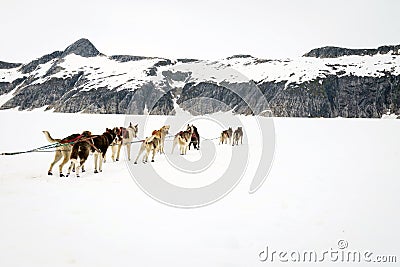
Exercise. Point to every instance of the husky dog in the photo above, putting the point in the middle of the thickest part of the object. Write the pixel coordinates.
(161, 134)
(238, 134)
(195, 140)
(152, 143)
(225, 136)
(124, 138)
(63, 151)
(183, 139)
(97, 144)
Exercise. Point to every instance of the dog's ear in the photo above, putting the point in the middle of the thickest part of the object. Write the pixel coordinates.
(130, 124)
(136, 125)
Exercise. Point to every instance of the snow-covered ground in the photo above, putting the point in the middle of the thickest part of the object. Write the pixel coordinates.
(331, 179)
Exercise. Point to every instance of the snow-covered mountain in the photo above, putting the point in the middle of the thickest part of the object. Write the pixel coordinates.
(326, 82)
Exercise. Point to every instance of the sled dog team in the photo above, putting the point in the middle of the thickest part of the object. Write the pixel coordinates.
(77, 147)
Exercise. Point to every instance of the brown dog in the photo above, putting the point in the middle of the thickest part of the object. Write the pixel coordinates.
(225, 136)
(97, 144)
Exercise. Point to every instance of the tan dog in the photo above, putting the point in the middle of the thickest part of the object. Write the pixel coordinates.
(183, 139)
(225, 136)
(63, 151)
(152, 143)
(238, 135)
(161, 134)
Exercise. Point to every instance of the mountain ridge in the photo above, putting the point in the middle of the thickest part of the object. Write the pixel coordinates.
(325, 82)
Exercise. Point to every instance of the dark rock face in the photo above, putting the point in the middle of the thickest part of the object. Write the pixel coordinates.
(44, 59)
(82, 47)
(347, 96)
(187, 60)
(6, 65)
(239, 56)
(205, 98)
(39, 95)
(126, 58)
(5, 88)
(333, 52)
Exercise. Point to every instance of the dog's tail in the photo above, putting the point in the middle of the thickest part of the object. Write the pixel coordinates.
(51, 139)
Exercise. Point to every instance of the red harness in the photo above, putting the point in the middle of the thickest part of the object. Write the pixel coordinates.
(71, 140)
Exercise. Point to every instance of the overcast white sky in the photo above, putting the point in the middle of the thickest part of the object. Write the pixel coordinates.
(195, 29)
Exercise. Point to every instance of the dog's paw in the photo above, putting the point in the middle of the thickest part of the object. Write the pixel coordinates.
(116, 159)
(67, 175)
(83, 170)
(62, 175)
(73, 170)
(95, 171)
(77, 176)
(49, 173)
(152, 160)
(135, 162)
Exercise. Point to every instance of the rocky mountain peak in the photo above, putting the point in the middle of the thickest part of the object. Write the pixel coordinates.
(83, 47)
(334, 52)
(240, 56)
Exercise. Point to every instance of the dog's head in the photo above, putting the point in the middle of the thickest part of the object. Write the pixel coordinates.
(134, 128)
(86, 133)
(190, 128)
(165, 129)
(113, 132)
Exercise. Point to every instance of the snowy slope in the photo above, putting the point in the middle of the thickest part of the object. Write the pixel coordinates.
(333, 179)
(103, 71)
(304, 69)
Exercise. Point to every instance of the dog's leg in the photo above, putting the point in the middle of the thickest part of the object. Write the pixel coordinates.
(154, 154)
(119, 149)
(71, 167)
(146, 155)
(148, 150)
(174, 145)
(128, 150)
(57, 157)
(114, 149)
(186, 148)
(141, 149)
(74, 162)
(96, 158)
(65, 160)
(101, 156)
(82, 165)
